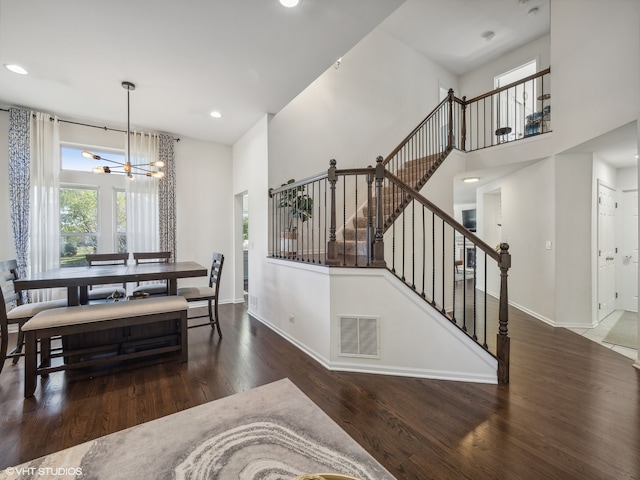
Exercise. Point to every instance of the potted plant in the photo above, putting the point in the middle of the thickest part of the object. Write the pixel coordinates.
(298, 208)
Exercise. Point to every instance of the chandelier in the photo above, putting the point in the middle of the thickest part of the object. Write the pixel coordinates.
(127, 168)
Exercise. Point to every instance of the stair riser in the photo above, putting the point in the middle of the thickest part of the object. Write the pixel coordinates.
(352, 248)
(352, 233)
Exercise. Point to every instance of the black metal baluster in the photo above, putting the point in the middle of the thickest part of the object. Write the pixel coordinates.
(486, 267)
(464, 283)
(424, 252)
(433, 259)
(404, 228)
(453, 313)
(413, 243)
(443, 243)
(475, 284)
(369, 216)
(355, 218)
(344, 219)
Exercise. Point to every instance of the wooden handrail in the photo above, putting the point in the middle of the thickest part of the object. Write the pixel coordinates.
(506, 87)
(413, 132)
(452, 222)
(299, 183)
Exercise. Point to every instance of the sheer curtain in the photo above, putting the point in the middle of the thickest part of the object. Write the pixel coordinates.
(142, 196)
(44, 251)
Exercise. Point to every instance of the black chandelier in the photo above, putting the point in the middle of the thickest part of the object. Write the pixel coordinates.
(126, 168)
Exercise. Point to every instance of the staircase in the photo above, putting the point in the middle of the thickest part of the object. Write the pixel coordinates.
(414, 173)
(376, 217)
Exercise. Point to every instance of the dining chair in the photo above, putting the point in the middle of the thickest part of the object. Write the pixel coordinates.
(209, 294)
(151, 288)
(105, 292)
(15, 312)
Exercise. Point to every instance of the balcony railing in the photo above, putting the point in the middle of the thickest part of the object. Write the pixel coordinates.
(513, 112)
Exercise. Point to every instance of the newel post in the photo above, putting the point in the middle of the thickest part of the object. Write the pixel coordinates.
(378, 239)
(332, 248)
(450, 127)
(370, 230)
(503, 316)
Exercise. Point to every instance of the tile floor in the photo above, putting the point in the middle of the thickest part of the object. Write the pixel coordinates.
(599, 332)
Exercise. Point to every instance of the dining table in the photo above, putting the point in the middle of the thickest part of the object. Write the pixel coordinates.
(78, 279)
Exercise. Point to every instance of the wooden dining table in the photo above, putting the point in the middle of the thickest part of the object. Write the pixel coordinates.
(78, 279)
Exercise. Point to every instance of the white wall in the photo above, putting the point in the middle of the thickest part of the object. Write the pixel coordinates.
(250, 167)
(595, 68)
(528, 199)
(481, 80)
(204, 198)
(574, 240)
(415, 340)
(363, 109)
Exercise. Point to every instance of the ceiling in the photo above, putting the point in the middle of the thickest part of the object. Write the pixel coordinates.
(244, 58)
(449, 32)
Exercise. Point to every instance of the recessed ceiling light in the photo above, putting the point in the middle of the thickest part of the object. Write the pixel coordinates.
(488, 35)
(471, 179)
(533, 12)
(216, 114)
(16, 69)
(289, 3)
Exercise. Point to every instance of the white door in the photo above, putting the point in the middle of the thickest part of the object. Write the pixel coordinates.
(628, 252)
(606, 251)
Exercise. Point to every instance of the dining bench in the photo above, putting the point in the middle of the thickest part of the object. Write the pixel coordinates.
(123, 326)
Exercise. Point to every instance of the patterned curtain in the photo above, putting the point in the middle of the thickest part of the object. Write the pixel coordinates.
(167, 196)
(19, 184)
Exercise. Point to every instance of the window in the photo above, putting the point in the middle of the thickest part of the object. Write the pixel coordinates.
(93, 212)
(112, 199)
(71, 157)
(120, 222)
(78, 224)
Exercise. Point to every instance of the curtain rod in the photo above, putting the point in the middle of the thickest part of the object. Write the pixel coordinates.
(89, 125)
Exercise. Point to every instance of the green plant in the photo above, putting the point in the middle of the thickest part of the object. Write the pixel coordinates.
(299, 205)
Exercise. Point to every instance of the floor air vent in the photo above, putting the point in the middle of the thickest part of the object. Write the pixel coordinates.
(359, 337)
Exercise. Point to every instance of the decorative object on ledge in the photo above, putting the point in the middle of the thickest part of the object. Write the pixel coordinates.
(298, 207)
(127, 168)
(502, 133)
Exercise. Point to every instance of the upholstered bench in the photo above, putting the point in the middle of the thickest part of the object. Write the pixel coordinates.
(118, 317)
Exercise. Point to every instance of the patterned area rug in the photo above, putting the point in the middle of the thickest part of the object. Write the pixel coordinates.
(273, 432)
(624, 332)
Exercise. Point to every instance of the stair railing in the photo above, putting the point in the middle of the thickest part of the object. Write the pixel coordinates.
(451, 268)
(512, 112)
(423, 150)
(435, 256)
(300, 220)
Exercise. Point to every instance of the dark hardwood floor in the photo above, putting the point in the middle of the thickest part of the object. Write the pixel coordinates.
(571, 411)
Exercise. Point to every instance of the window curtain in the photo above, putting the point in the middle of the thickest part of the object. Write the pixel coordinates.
(44, 249)
(167, 196)
(142, 196)
(19, 184)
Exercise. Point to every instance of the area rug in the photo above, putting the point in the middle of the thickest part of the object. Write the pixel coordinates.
(273, 432)
(624, 332)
